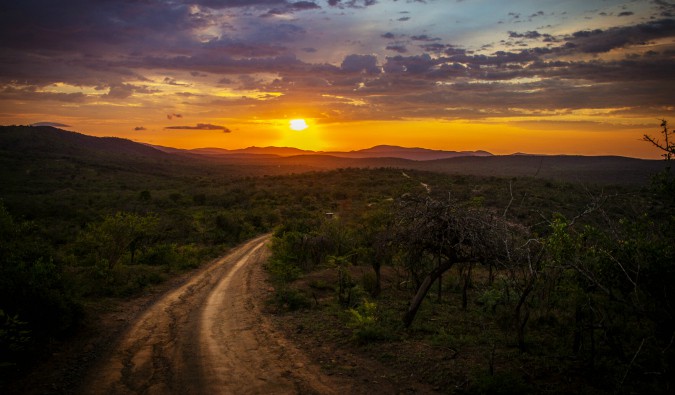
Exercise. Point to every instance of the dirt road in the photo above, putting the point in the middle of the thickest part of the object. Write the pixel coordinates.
(208, 336)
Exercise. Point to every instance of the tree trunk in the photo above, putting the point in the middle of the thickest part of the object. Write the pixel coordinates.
(521, 321)
(378, 280)
(422, 292)
(440, 282)
(465, 287)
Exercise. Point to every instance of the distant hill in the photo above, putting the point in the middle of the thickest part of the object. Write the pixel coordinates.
(418, 154)
(380, 151)
(572, 168)
(47, 141)
(22, 148)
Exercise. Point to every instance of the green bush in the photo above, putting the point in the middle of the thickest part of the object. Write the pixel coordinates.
(364, 323)
(291, 299)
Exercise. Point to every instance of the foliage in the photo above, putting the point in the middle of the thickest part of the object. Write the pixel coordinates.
(664, 181)
(14, 339)
(574, 278)
(106, 242)
(35, 297)
(364, 323)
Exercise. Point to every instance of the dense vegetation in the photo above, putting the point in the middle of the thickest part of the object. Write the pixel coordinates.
(508, 284)
(513, 285)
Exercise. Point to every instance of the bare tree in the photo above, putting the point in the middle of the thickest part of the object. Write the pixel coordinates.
(446, 233)
(667, 145)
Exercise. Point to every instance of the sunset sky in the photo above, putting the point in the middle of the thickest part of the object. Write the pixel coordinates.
(540, 76)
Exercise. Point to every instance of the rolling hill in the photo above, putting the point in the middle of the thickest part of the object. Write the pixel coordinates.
(27, 144)
(380, 151)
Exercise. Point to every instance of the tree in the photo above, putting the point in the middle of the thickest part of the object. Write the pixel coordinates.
(116, 235)
(664, 181)
(448, 233)
(667, 145)
(375, 236)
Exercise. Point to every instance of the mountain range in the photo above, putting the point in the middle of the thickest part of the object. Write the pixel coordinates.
(380, 151)
(22, 148)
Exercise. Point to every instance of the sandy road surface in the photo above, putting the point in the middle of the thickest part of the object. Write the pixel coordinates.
(208, 336)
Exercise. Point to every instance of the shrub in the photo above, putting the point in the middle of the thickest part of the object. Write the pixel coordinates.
(365, 324)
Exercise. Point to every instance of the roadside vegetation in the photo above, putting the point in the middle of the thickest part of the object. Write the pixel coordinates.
(490, 285)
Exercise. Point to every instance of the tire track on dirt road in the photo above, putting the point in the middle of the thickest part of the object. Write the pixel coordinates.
(208, 336)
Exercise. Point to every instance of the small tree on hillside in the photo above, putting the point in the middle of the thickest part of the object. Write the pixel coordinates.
(664, 180)
(667, 145)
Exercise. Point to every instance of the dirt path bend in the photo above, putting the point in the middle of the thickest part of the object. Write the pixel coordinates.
(208, 336)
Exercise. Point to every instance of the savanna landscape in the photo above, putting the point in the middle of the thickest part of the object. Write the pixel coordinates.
(390, 277)
(337, 197)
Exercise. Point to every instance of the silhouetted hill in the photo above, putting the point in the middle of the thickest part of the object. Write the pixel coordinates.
(23, 148)
(380, 151)
(595, 169)
(419, 154)
(48, 141)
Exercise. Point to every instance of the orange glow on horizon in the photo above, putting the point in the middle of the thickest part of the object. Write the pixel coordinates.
(498, 137)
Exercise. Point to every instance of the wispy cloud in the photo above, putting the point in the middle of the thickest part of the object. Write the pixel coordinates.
(200, 126)
(52, 124)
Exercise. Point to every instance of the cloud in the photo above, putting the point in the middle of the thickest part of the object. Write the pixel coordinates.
(397, 48)
(219, 4)
(360, 64)
(123, 91)
(200, 126)
(52, 124)
(139, 128)
(424, 37)
(174, 82)
(352, 3)
(303, 5)
(89, 54)
(531, 34)
(600, 41)
(229, 47)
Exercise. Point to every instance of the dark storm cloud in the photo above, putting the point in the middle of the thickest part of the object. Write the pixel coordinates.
(200, 126)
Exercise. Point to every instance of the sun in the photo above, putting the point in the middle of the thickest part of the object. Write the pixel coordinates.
(298, 124)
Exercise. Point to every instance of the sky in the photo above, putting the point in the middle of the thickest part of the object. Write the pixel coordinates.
(584, 77)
